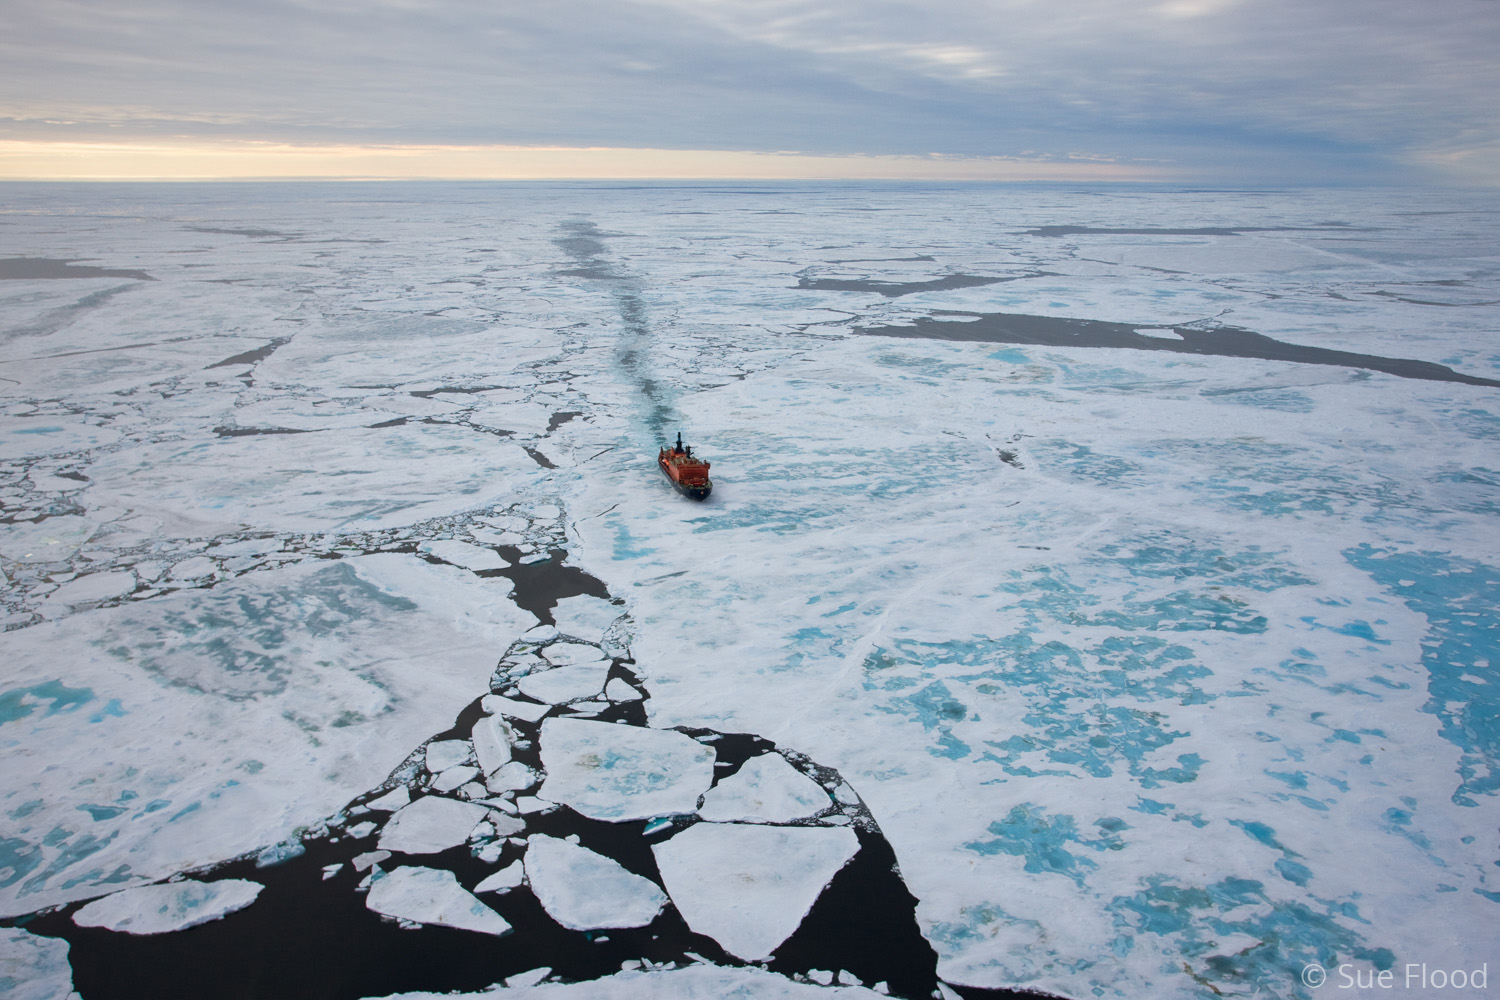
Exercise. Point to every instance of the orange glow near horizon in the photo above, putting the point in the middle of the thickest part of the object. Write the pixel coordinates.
(184, 160)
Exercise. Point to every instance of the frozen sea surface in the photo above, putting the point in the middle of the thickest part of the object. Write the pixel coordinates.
(1164, 673)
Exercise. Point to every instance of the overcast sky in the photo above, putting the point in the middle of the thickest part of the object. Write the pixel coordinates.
(1274, 90)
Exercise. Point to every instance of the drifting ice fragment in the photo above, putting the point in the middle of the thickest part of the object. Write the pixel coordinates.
(432, 896)
(431, 824)
(369, 859)
(521, 980)
(766, 789)
(447, 753)
(463, 554)
(564, 684)
(390, 801)
(527, 711)
(748, 887)
(492, 738)
(512, 777)
(161, 909)
(503, 880)
(563, 654)
(454, 777)
(585, 617)
(585, 891)
(620, 690)
(34, 967)
(617, 773)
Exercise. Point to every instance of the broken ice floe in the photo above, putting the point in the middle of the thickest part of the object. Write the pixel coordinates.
(766, 789)
(586, 891)
(172, 906)
(561, 685)
(431, 824)
(614, 772)
(34, 967)
(748, 887)
(432, 896)
(503, 880)
(492, 739)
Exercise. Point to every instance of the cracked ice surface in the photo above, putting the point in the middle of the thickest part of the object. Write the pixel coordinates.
(748, 887)
(622, 773)
(586, 891)
(173, 906)
(173, 733)
(693, 982)
(432, 896)
(1163, 674)
(34, 968)
(766, 789)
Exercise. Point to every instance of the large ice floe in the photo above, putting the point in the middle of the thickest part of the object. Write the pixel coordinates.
(171, 906)
(606, 772)
(1133, 555)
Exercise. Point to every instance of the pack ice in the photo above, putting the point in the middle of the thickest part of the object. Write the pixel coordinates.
(621, 773)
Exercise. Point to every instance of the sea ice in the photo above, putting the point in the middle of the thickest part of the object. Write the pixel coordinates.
(432, 896)
(692, 982)
(204, 724)
(748, 887)
(34, 967)
(471, 557)
(619, 689)
(172, 906)
(766, 789)
(92, 587)
(503, 880)
(585, 617)
(565, 653)
(444, 754)
(54, 540)
(391, 800)
(431, 824)
(492, 739)
(526, 711)
(454, 777)
(512, 777)
(561, 685)
(612, 772)
(586, 891)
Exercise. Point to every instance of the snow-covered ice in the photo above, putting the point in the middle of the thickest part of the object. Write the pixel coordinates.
(431, 824)
(561, 685)
(586, 891)
(172, 906)
(432, 896)
(34, 967)
(201, 724)
(505, 879)
(511, 708)
(766, 789)
(692, 982)
(1176, 678)
(585, 617)
(618, 689)
(619, 773)
(444, 754)
(748, 887)
(491, 738)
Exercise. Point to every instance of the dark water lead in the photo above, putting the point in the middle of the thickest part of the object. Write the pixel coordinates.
(33, 268)
(1224, 341)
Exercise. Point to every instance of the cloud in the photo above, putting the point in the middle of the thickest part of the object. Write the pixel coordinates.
(1273, 89)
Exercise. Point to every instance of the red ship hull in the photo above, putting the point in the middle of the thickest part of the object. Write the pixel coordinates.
(688, 475)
